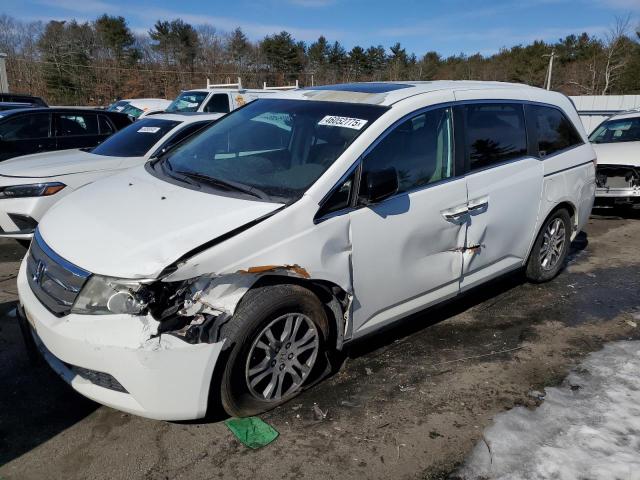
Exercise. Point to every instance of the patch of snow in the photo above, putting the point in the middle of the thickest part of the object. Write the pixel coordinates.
(588, 428)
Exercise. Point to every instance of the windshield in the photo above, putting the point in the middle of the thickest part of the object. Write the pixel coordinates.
(277, 148)
(117, 106)
(614, 131)
(187, 102)
(135, 140)
(132, 111)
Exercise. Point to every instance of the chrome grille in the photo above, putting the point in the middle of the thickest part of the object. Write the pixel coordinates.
(55, 281)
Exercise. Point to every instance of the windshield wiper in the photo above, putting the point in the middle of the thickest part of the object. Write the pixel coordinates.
(226, 184)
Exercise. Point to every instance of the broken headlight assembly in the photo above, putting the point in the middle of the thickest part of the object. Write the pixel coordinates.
(31, 190)
(108, 296)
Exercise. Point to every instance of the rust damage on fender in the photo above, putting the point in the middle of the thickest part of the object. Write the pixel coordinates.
(297, 269)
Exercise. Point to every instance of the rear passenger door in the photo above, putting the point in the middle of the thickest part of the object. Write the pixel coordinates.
(504, 185)
(76, 130)
(25, 133)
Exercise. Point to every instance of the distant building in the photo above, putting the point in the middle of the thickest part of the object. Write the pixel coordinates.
(593, 109)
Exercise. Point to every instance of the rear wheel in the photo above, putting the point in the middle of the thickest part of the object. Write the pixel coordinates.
(277, 337)
(551, 247)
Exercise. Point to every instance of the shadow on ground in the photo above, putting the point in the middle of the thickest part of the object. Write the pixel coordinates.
(35, 405)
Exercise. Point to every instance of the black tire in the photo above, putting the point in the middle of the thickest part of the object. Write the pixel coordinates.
(257, 309)
(535, 272)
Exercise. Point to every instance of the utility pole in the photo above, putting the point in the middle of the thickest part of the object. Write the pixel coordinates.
(550, 70)
(4, 82)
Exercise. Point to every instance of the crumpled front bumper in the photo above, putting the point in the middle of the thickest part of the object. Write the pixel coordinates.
(618, 183)
(163, 378)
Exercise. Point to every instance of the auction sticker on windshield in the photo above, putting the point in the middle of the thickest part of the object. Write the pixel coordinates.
(345, 122)
(149, 130)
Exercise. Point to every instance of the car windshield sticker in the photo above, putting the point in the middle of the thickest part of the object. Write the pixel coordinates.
(345, 122)
(149, 130)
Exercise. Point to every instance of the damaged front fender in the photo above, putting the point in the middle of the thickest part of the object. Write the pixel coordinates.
(208, 302)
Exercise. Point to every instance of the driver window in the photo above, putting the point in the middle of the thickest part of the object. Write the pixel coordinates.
(420, 149)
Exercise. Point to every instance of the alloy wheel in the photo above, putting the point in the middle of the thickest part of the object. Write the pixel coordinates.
(282, 357)
(553, 243)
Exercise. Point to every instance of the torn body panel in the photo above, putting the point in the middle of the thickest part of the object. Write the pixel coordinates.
(502, 200)
(319, 256)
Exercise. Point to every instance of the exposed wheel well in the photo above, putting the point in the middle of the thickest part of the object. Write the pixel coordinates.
(332, 296)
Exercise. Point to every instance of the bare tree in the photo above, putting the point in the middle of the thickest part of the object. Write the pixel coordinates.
(615, 59)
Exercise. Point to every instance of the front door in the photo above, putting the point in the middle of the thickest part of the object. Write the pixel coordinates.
(24, 134)
(406, 250)
(504, 184)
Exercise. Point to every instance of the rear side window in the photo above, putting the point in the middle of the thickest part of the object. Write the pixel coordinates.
(555, 131)
(25, 127)
(420, 149)
(73, 124)
(219, 103)
(494, 133)
(136, 139)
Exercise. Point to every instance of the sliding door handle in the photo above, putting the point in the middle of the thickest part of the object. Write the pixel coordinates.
(478, 204)
(455, 213)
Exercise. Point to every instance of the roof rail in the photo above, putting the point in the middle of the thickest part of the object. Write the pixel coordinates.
(288, 87)
(238, 85)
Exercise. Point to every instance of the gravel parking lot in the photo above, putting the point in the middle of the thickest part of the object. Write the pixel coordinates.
(408, 403)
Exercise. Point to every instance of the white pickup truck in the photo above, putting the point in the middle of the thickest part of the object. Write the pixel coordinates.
(221, 98)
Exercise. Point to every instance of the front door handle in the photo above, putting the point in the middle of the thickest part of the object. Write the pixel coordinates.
(455, 213)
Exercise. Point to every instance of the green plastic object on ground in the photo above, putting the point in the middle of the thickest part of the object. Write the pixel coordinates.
(252, 431)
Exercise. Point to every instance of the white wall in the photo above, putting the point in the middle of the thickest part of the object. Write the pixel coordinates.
(593, 109)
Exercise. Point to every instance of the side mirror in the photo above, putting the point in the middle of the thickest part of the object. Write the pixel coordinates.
(380, 184)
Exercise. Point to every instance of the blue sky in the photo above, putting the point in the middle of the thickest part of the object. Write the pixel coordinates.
(447, 26)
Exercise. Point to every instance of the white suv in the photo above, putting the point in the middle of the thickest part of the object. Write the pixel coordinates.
(31, 184)
(232, 266)
(617, 144)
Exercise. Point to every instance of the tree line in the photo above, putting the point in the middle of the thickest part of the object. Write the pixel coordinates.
(94, 63)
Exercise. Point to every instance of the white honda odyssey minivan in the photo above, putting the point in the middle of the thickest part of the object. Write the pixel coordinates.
(232, 266)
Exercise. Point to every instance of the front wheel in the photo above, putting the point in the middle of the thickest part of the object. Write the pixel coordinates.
(550, 249)
(277, 336)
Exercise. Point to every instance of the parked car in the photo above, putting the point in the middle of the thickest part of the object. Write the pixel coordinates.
(617, 144)
(232, 266)
(139, 107)
(220, 98)
(33, 130)
(14, 105)
(21, 98)
(30, 185)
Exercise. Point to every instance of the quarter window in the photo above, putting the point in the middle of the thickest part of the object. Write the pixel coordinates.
(420, 149)
(339, 199)
(555, 131)
(494, 133)
(72, 125)
(105, 125)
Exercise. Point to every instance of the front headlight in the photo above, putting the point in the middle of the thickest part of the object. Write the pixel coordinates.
(31, 190)
(107, 295)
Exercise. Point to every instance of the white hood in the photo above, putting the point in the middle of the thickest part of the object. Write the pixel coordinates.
(132, 225)
(53, 164)
(621, 153)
